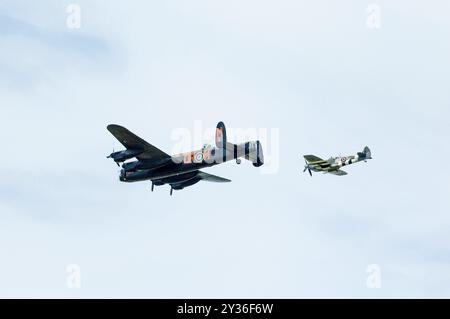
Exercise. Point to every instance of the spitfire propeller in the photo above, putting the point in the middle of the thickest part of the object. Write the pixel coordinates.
(307, 168)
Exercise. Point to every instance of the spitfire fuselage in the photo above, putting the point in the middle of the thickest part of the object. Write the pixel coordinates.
(335, 163)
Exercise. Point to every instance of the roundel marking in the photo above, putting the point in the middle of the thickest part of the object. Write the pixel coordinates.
(198, 157)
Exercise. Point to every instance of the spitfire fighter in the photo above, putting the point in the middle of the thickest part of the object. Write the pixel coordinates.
(334, 164)
(181, 170)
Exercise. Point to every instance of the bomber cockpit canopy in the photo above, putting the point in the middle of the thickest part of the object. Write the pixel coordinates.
(206, 147)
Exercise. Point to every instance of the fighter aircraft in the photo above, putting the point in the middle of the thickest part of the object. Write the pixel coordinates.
(181, 170)
(333, 165)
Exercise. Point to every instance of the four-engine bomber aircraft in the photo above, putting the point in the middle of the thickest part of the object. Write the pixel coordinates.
(334, 164)
(182, 170)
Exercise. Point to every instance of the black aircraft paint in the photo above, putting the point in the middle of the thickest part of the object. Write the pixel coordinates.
(182, 170)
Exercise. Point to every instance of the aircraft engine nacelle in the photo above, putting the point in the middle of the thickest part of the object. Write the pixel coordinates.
(122, 156)
(142, 165)
(182, 181)
(187, 183)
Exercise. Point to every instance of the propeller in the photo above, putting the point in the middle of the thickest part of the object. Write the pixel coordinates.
(109, 156)
(307, 168)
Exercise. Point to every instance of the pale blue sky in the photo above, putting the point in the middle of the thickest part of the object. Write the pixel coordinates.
(312, 70)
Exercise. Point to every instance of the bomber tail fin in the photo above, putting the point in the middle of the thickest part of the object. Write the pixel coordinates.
(221, 135)
(254, 153)
(251, 151)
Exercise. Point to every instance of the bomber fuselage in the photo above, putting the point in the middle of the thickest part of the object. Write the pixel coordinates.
(179, 164)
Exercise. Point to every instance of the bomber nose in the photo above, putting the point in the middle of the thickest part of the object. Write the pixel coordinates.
(122, 176)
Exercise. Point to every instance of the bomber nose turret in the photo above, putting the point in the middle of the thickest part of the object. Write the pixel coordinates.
(123, 175)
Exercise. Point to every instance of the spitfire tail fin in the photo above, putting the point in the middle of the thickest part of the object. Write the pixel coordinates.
(366, 153)
(221, 135)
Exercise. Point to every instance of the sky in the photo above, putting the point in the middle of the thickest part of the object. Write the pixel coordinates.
(318, 77)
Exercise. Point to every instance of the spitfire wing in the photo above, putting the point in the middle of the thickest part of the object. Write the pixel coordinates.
(134, 142)
(338, 172)
(212, 178)
(313, 159)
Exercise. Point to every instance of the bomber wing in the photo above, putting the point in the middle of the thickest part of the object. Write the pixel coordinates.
(134, 142)
(212, 178)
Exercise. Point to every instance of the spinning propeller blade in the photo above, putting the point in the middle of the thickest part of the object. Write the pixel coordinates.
(307, 168)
